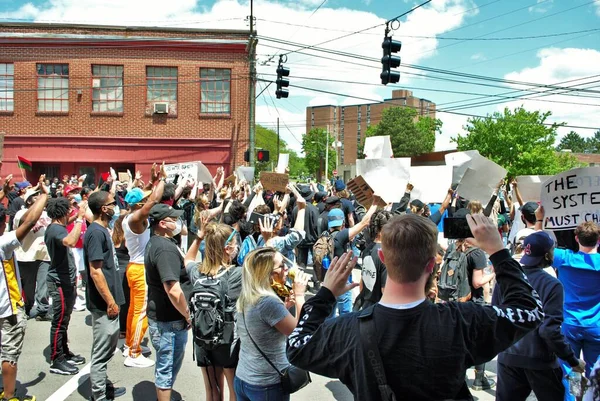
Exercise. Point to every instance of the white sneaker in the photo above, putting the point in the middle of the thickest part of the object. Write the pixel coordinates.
(79, 307)
(139, 362)
(145, 350)
(125, 351)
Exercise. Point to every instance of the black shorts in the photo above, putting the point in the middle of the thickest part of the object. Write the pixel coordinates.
(224, 356)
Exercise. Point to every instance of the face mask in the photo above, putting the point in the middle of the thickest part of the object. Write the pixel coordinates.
(114, 217)
(178, 226)
(77, 198)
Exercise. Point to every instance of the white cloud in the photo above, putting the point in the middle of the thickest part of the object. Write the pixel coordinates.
(452, 125)
(597, 3)
(545, 6)
(557, 66)
(478, 57)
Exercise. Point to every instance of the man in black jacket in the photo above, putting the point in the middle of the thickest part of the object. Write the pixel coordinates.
(310, 225)
(425, 348)
(532, 364)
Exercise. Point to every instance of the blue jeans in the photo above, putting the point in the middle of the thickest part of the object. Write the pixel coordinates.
(343, 305)
(250, 392)
(586, 339)
(169, 340)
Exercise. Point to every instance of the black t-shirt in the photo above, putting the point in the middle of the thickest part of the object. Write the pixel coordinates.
(98, 246)
(374, 275)
(322, 223)
(311, 216)
(348, 209)
(340, 242)
(164, 263)
(476, 260)
(62, 271)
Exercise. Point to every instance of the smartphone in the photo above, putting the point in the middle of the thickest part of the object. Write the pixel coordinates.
(255, 217)
(457, 228)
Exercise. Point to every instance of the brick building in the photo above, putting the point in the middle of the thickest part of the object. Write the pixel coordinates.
(349, 123)
(78, 99)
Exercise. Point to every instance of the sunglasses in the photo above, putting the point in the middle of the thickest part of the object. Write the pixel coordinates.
(113, 203)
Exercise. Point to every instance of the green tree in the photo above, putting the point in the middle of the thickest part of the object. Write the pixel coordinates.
(313, 146)
(266, 139)
(410, 136)
(518, 140)
(573, 142)
(593, 143)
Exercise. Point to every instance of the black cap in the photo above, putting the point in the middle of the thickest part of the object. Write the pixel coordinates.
(319, 196)
(528, 210)
(331, 200)
(161, 211)
(306, 192)
(417, 203)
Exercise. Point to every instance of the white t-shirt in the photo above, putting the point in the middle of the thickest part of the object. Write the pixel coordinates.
(136, 243)
(33, 247)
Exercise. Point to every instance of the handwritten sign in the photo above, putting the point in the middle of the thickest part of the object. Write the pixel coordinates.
(387, 177)
(431, 183)
(123, 177)
(378, 147)
(571, 198)
(362, 191)
(245, 173)
(282, 163)
(530, 186)
(274, 181)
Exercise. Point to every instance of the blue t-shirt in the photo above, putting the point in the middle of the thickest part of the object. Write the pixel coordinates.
(580, 275)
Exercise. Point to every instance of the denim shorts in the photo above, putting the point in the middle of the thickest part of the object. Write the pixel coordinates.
(169, 340)
(250, 392)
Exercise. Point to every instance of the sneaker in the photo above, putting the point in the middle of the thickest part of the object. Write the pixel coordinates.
(15, 398)
(62, 367)
(78, 307)
(43, 318)
(75, 359)
(113, 392)
(145, 350)
(139, 362)
(483, 383)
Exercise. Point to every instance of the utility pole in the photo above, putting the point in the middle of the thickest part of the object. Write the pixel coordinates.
(252, 86)
(277, 140)
(327, 155)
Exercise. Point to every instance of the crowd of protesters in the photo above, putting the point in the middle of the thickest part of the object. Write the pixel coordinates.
(234, 264)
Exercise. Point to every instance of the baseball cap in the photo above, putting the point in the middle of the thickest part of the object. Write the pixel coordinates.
(417, 203)
(529, 209)
(331, 200)
(31, 192)
(339, 185)
(335, 218)
(535, 247)
(22, 185)
(306, 192)
(136, 195)
(162, 211)
(70, 188)
(319, 196)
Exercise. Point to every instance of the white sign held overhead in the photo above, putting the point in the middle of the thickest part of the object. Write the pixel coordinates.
(387, 177)
(282, 163)
(530, 187)
(195, 171)
(571, 198)
(431, 183)
(378, 147)
(480, 180)
(245, 173)
(460, 161)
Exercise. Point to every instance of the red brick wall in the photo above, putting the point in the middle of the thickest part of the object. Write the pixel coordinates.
(133, 123)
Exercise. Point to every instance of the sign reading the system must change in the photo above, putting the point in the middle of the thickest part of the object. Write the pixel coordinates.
(571, 198)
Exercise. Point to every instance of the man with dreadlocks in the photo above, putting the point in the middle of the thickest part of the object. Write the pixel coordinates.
(62, 276)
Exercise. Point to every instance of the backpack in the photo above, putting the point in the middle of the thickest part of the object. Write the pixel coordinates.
(212, 312)
(453, 284)
(324, 246)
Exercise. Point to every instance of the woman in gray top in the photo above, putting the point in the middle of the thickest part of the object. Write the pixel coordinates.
(264, 318)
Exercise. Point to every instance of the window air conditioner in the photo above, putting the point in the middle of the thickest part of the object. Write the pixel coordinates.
(161, 108)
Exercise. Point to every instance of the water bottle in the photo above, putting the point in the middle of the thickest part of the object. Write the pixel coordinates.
(575, 384)
(326, 262)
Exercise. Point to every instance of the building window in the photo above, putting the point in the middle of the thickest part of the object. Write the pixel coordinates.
(107, 88)
(53, 88)
(161, 84)
(7, 87)
(215, 91)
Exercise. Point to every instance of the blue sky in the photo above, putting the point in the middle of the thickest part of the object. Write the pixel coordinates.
(545, 60)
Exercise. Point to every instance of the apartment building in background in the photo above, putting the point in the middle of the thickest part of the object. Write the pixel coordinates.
(348, 124)
(78, 99)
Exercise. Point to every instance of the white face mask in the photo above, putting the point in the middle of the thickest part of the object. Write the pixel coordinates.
(178, 227)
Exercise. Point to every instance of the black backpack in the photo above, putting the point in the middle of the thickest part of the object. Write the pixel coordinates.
(212, 312)
(453, 284)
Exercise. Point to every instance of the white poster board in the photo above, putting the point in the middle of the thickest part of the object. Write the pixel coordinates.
(530, 186)
(460, 161)
(571, 198)
(282, 163)
(431, 183)
(378, 147)
(480, 180)
(387, 177)
(245, 173)
(195, 171)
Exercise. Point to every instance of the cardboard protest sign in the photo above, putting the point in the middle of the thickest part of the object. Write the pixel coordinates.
(431, 183)
(274, 181)
(460, 161)
(229, 180)
(387, 177)
(123, 177)
(378, 147)
(282, 163)
(571, 198)
(480, 180)
(245, 173)
(362, 191)
(530, 186)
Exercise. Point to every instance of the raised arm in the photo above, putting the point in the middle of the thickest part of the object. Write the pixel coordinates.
(138, 220)
(33, 214)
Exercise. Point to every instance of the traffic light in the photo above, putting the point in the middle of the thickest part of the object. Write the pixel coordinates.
(388, 61)
(282, 82)
(262, 156)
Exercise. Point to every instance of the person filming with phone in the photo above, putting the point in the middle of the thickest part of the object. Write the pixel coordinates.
(405, 348)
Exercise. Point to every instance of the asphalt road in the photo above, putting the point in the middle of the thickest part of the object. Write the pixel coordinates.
(34, 377)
